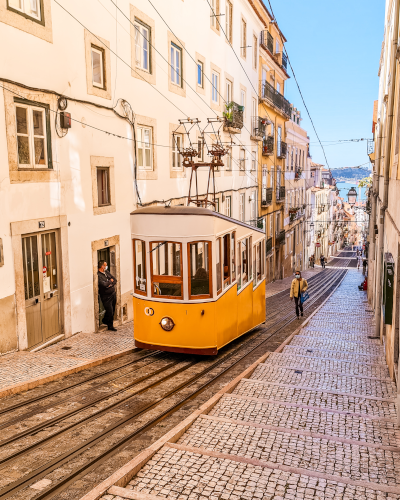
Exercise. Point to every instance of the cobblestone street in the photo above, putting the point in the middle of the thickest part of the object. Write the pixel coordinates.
(315, 421)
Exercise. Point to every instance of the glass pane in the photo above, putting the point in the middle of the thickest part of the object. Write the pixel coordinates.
(172, 66)
(226, 260)
(166, 259)
(140, 157)
(15, 4)
(146, 138)
(239, 267)
(218, 264)
(199, 269)
(177, 54)
(24, 263)
(97, 67)
(32, 266)
(145, 48)
(233, 264)
(40, 156)
(22, 122)
(254, 266)
(23, 150)
(140, 266)
(148, 158)
(33, 8)
(258, 265)
(38, 119)
(49, 260)
(245, 262)
(171, 289)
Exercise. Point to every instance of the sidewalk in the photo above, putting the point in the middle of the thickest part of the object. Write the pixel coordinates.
(280, 285)
(24, 370)
(315, 421)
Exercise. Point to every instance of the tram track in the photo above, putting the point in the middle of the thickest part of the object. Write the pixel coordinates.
(234, 354)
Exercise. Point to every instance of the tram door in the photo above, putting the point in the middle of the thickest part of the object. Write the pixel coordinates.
(41, 284)
(107, 254)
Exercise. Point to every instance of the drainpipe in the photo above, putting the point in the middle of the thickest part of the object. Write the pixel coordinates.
(386, 166)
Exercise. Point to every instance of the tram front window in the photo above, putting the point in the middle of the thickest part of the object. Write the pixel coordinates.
(200, 265)
(166, 262)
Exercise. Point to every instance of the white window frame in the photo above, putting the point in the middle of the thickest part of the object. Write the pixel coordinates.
(243, 101)
(142, 37)
(213, 13)
(242, 207)
(176, 69)
(229, 159)
(228, 206)
(254, 160)
(277, 46)
(242, 160)
(141, 145)
(215, 87)
(228, 20)
(243, 38)
(24, 8)
(253, 208)
(177, 143)
(228, 92)
(255, 53)
(31, 136)
(100, 85)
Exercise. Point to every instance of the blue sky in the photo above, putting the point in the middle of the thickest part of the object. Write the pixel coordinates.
(334, 48)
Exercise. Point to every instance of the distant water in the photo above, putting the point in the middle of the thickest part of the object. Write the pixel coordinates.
(344, 188)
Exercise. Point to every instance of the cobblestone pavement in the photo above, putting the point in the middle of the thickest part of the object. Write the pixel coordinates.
(76, 351)
(316, 421)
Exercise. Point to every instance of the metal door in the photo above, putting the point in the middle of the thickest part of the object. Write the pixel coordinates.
(41, 283)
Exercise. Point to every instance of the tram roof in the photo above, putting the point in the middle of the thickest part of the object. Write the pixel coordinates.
(183, 210)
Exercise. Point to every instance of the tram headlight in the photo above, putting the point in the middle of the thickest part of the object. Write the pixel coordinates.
(167, 324)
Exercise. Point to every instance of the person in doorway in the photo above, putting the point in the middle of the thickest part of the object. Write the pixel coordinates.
(312, 261)
(108, 293)
(299, 285)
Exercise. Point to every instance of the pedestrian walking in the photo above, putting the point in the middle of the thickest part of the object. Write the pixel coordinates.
(359, 259)
(322, 259)
(299, 286)
(108, 293)
(364, 265)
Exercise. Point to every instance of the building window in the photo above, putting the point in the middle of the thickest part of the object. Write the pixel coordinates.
(243, 101)
(142, 52)
(228, 21)
(254, 52)
(215, 87)
(243, 39)
(277, 47)
(228, 96)
(242, 159)
(214, 12)
(278, 87)
(98, 67)
(200, 74)
(217, 205)
(228, 206)
(242, 211)
(176, 65)
(253, 215)
(33, 136)
(145, 148)
(103, 186)
(229, 159)
(28, 8)
(177, 145)
(253, 161)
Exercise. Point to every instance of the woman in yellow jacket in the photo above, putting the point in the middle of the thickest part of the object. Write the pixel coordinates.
(299, 285)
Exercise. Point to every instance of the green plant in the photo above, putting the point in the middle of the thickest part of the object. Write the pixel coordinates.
(228, 113)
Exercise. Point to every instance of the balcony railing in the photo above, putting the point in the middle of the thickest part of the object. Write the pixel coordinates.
(258, 223)
(258, 125)
(280, 238)
(281, 149)
(268, 245)
(233, 117)
(267, 40)
(268, 92)
(280, 193)
(268, 146)
(266, 196)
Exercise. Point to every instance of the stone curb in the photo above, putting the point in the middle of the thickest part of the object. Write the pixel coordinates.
(122, 476)
(35, 382)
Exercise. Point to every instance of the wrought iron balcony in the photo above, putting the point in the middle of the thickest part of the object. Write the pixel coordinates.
(268, 92)
(281, 149)
(280, 237)
(280, 194)
(268, 245)
(258, 125)
(267, 40)
(268, 146)
(266, 196)
(233, 118)
(258, 223)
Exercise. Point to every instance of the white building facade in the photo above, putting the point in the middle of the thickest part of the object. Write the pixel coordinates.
(86, 126)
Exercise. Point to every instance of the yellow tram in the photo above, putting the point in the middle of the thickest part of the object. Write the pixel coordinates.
(198, 279)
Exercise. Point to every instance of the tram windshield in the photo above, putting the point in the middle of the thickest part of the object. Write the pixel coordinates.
(166, 265)
(200, 265)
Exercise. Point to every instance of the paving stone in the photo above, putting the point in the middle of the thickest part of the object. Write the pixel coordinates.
(312, 350)
(337, 345)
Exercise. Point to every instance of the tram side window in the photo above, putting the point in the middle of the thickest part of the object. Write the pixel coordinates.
(166, 266)
(218, 266)
(226, 260)
(233, 259)
(245, 262)
(255, 247)
(239, 267)
(200, 276)
(140, 266)
(258, 262)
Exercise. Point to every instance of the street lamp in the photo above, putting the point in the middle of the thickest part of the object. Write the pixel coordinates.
(352, 196)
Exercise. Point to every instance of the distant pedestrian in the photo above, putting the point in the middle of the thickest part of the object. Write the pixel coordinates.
(364, 265)
(312, 261)
(322, 259)
(108, 293)
(299, 285)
